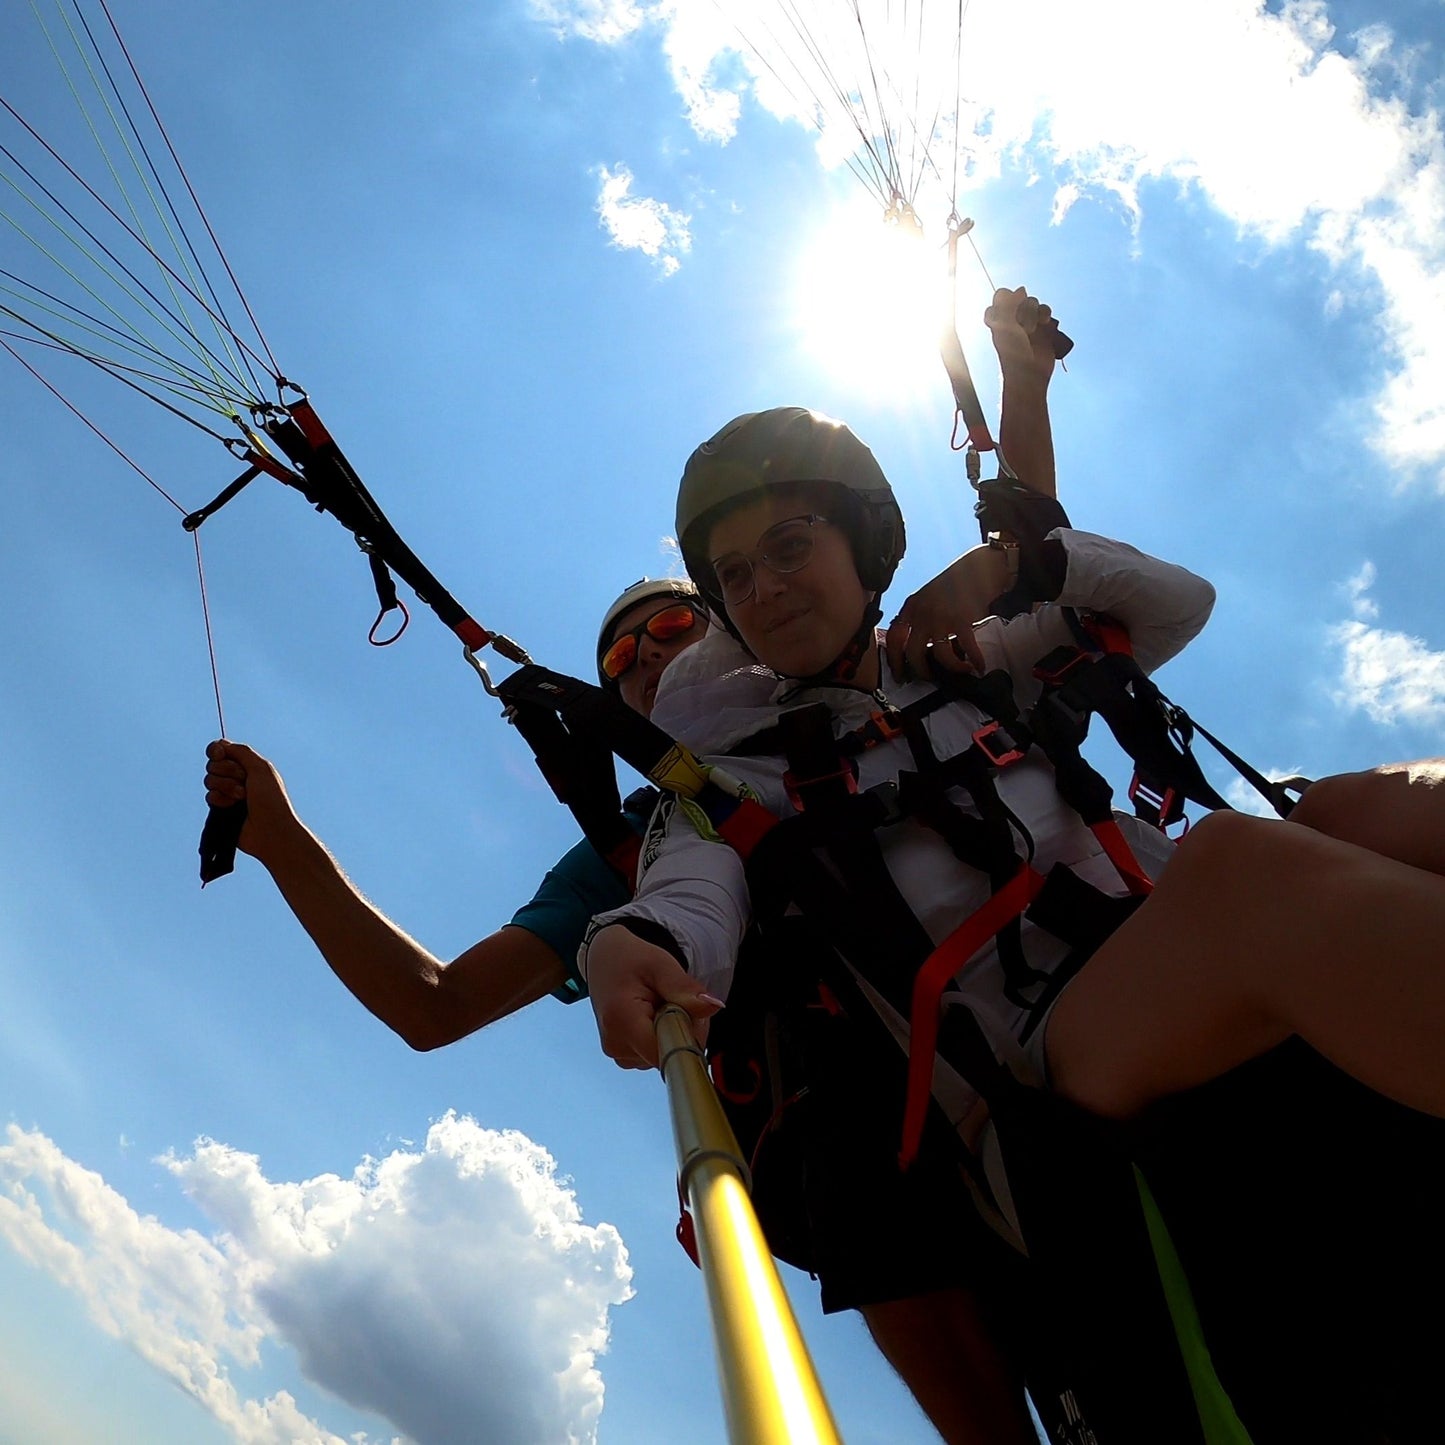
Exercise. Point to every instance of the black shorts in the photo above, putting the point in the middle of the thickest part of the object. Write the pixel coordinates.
(831, 1197)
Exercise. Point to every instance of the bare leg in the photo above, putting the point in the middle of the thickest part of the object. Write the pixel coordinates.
(1397, 810)
(1257, 931)
(943, 1351)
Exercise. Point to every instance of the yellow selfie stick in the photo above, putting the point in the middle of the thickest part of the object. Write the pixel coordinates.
(770, 1389)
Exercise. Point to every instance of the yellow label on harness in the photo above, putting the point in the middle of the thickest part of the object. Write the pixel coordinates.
(679, 772)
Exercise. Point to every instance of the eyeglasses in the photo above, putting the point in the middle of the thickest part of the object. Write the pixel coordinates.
(785, 547)
(663, 626)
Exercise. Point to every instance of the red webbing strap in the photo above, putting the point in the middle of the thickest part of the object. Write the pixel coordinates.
(473, 633)
(1121, 855)
(312, 427)
(942, 964)
(745, 827)
(264, 462)
(1111, 636)
(1116, 846)
(623, 859)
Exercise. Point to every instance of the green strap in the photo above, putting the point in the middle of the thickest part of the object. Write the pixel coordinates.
(1217, 1417)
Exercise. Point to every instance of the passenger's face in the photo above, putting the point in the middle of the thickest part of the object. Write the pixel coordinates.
(796, 623)
(638, 685)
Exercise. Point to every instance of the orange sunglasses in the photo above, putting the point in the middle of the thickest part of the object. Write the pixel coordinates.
(663, 626)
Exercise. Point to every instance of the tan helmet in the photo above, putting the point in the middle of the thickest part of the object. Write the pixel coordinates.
(785, 446)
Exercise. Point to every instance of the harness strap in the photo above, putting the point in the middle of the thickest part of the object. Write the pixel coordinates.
(1102, 676)
(844, 824)
(1121, 855)
(1006, 905)
(1276, 794)
(985, 842)
(578, 768)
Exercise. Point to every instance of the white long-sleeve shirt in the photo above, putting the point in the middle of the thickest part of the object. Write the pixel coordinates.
(693, 884)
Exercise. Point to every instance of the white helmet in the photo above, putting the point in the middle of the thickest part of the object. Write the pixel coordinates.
(648, 589)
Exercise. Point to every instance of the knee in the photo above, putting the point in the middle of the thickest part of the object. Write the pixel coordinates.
(1327, 804)
(1221, 843)
(1346, 804)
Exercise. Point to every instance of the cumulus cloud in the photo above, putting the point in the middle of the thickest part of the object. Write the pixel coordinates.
(1291, 130)
(639, 223)
(1390, 676)
(453, 1290)
(605, 21)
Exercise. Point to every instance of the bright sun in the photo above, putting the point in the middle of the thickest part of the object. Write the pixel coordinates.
(871, 302)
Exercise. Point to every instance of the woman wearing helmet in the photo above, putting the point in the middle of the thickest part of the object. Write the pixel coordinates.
(798, 586)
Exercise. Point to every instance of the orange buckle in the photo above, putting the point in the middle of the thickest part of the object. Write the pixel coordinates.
(883, 728)
(1001, 752)
(1052, 670)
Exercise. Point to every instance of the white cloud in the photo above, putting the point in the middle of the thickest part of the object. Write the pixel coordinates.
(453, 1290)
(639, 223)
(1290, 131)
(605, 21)
(1390, 676)
(1357, 589)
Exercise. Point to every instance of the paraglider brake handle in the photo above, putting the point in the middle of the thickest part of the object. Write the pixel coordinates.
(219, 836)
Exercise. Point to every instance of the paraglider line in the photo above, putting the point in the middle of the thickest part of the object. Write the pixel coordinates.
(106, 366)
(190, 190)
(151, 481)
(210, 637)
(219, 317)
(128, 460)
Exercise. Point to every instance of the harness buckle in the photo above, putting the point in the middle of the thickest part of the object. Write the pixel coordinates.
(997, 745)
(798, 788)
(882, 727)
(1055, 666)
(1159, 807)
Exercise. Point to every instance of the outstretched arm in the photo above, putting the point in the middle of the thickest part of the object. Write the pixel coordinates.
(939, 617)
(426, 1001)
(1023, 335)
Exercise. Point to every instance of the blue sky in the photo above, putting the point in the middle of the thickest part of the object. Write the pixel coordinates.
(525, 257)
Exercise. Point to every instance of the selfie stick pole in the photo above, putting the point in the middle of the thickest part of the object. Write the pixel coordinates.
(770, 1389)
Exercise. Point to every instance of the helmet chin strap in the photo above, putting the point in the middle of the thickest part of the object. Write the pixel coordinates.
(844, 668)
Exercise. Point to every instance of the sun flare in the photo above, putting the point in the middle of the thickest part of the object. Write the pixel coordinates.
(871, 299)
